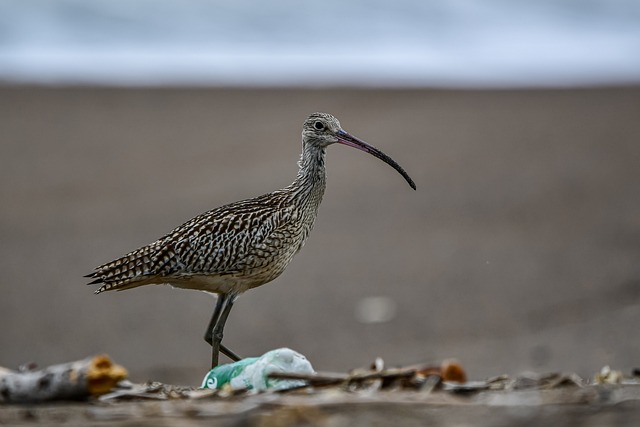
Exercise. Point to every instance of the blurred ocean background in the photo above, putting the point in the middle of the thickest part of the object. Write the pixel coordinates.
(437, 43)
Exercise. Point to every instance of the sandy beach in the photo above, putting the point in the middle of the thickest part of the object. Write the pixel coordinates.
(520, 249)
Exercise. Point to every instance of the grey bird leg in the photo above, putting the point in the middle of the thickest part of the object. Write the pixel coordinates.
(216, 328)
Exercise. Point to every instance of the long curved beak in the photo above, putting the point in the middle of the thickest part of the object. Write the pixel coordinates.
(350, 140)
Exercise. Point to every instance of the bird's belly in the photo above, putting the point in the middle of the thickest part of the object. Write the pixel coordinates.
(222, 284)
(237, 282)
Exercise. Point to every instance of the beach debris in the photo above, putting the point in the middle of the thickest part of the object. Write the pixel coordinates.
(545, 381)
(154, 390)
(254, 373)
(77, 380)
(445, 382)
(608, 376)
(286, 371)
(377, 377)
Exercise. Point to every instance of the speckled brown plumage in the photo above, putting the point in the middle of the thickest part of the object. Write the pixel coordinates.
(234, 247)
(245, 244)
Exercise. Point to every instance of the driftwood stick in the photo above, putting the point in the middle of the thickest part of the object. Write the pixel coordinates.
(69, 381)
(315, 379)
(448, 370)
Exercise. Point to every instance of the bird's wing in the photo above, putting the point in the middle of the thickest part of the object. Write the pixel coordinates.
(228, 244)
(216, 242)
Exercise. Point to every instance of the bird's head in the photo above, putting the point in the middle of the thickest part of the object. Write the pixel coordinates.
(322, 129)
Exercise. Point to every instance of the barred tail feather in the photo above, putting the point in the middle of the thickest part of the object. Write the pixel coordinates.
(137, 268)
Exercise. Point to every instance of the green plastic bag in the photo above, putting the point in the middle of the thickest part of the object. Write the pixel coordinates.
(252, 372)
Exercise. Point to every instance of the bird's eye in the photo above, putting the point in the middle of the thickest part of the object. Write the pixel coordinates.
(318, 125)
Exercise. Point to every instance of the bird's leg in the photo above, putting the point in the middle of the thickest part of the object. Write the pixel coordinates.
(230, 354)
(216, 328)
(223, 349)
(220, 301)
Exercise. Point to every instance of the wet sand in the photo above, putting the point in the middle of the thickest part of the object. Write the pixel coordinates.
(519, 251)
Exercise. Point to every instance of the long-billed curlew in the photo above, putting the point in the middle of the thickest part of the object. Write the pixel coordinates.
(239, 246)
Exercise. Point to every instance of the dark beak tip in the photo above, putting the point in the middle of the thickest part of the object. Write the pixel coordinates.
(350, 140)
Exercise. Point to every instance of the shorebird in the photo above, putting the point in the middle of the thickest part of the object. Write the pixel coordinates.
(242, 245)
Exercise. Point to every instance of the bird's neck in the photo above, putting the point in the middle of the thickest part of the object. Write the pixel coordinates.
(311, 180)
